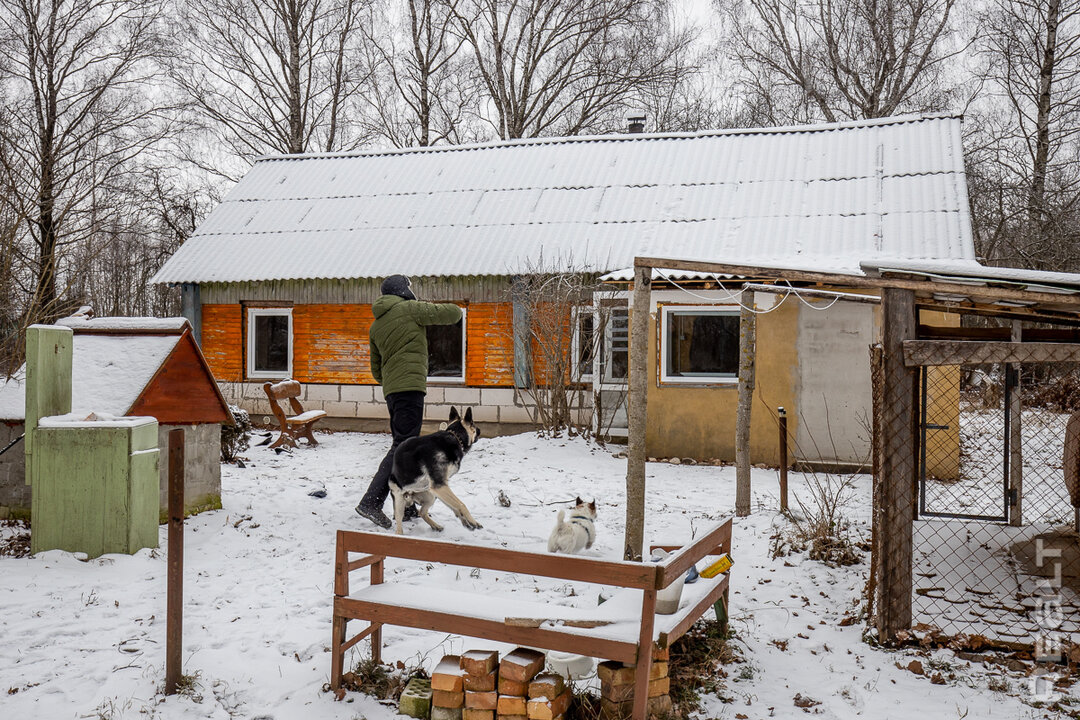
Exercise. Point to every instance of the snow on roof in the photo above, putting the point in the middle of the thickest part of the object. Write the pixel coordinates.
(974, 273)
(146, 324)
(823, 197)
(109, 373)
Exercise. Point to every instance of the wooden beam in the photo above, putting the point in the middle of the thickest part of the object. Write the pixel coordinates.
(857, 281)
(999, 333)
(747, 351)
(634, 538)
(973, 352)
(811, 293)
(895, 482)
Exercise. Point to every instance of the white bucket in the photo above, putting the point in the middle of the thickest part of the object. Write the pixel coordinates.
(570, 665)
(667, 600)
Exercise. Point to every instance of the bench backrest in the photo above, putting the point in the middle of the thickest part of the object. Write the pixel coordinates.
(286, 389)
(618, 573)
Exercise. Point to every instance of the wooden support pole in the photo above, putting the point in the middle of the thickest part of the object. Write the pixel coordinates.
(174, 609)
(636, 415)
(1016, 439)
(747, 333)
(895, 483)
(783, 458)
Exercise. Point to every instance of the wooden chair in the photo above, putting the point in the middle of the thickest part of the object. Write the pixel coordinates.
(295, 426)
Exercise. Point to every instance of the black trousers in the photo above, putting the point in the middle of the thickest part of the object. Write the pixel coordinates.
(406, 417)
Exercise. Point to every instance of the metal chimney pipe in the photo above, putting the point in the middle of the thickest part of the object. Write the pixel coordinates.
(636, 124)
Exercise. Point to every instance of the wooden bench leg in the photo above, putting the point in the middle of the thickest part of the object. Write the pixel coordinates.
(644, 659)
(337, 658)
(307, 434)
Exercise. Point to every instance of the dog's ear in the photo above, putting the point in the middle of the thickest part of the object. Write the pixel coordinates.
(592, 507)
(578, 501)
(453, 414)
(468, 415)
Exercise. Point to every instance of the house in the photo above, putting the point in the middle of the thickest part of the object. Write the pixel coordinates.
(131, 367)
(279, 279)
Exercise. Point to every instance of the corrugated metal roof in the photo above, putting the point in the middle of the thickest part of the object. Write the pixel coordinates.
(821, 197)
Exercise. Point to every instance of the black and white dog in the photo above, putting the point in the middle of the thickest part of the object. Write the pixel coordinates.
(423, 467)
(577, 533)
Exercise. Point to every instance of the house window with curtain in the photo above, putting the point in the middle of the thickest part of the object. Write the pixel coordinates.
(269, 342)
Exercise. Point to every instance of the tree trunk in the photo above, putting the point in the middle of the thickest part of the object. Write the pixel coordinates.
(1036, 211)
(636, 414)
(296, 117)
(747, 350)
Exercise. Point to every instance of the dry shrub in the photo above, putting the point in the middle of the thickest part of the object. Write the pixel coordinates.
(696, 666)
(384, 682)
(820, 526)
(1060, 394)
(14, 538)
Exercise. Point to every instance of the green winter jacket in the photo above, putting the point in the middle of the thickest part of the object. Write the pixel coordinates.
(398, 340)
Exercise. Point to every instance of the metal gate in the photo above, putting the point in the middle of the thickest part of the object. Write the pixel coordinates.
(964, 437)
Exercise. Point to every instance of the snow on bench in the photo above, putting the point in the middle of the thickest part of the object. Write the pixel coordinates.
(625, 628)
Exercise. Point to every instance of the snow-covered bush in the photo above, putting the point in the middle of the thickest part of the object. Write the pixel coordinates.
(819, 525)
(235, 438)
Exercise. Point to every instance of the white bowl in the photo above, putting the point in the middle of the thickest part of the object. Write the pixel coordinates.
(569, 665)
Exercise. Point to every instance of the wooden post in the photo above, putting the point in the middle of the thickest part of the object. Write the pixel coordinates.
(783, 458)
(895, 484)
(1016, 439)
(522, 334)
(174, 610)
(747, 333)
(634, 539)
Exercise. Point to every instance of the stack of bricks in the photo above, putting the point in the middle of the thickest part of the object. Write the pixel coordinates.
(617, 688)
(516, 671)
(447, 689)
(480, 683)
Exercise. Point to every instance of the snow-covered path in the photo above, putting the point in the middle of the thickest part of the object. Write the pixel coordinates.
(86, 639)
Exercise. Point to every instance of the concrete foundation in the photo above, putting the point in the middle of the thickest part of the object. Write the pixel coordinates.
(14, 492)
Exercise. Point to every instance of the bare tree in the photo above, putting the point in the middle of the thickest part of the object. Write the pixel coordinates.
(82, 105)
(841, 59)
(564, 66)
(1032, 162)
(421, 92)
(275, 76)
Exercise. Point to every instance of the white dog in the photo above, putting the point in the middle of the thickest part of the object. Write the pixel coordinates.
(578, 532)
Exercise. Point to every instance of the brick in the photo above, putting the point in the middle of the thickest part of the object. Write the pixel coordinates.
(511, 717)
(479, 662)
(447, 675)
(481, 700)
(461, 396)
(339, 409)
(658, 670)
(615, 673)
(442, 713)
(474, 714)
(546, 685)
(416, 699)
(616, 693)
(511, 705)
(661, 653)
(322, 392)
(357, 393)
(549, 709)
(521, 665)
(448, 699)
(481, 683)
(513, 687)
(660, 706)
(659, 687)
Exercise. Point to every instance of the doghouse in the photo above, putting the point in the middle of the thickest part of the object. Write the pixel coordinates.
(127, 367)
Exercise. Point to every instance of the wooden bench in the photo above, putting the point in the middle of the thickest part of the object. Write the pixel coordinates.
(625, 628)
(298, 424)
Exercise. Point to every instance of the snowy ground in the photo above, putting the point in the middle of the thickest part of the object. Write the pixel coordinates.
(86, 639)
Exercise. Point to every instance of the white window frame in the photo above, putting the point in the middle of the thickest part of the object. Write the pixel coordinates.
(575, 343)
(602, 361)
(252, 313)
(703, 379)
(443, 379)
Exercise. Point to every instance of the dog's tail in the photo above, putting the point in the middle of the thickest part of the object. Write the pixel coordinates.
(553, 541)
(559, 520)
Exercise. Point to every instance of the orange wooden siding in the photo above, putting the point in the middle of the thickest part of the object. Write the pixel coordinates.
(489, 346)
(330, 343)
(222, 341)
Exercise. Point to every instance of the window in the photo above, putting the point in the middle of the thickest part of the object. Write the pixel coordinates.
(583, 345)
(699, 344)
(269, 342)
(446, 351)
(615, 350)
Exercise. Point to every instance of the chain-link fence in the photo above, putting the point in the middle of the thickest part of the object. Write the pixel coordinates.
(994, 547)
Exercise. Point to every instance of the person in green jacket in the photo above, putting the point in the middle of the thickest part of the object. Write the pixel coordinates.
(399, 362)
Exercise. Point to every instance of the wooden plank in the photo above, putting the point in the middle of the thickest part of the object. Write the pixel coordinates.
(1016, 437)
(634, 538)
(895, 484)
(691, 614)
(174, 604)
(222, 341)
(495, 630)
(644, 654)
(183, 390)
(811, 293)
(718, 537)
(624, 574)
(918, 353)
(855, 281)
(489, 345)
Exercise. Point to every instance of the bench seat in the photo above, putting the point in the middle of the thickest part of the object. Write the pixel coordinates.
(305, 417)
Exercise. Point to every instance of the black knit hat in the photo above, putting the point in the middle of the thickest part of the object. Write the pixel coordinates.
(398, 285)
